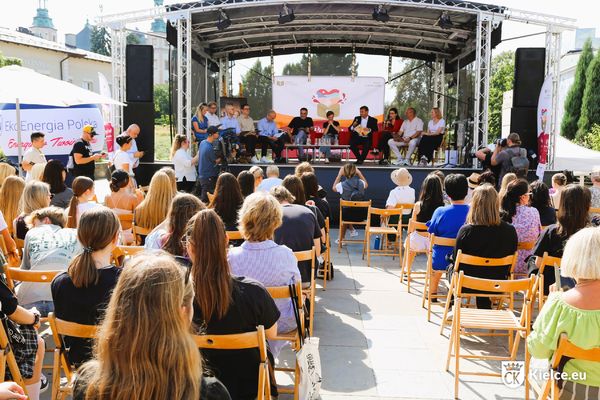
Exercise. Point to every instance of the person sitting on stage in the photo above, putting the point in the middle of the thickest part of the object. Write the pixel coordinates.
(269, 136)
(211, 115)
(410, 134)
(248, 135)
(200, 123)
(432, 138)
(391, 128)
(331, 128)
(230, 130)
(300, 128)
(362, 129)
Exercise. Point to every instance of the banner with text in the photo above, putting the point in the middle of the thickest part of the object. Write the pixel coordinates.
(340, 94)
(61, 125)
(543, 119)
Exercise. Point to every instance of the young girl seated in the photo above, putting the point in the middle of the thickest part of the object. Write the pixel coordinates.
(83, 193)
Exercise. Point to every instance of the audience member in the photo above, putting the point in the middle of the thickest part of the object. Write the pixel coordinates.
(261, 259)
(487, 176)
(6, 170)
(172, 176)
(11, 248)
(11, 391)
(572, 216)
(227, 304)
(351, 188)
(83, 194)
(575, 313)
(149, 354)
(446, 222)
(508, 178)
(49, 246)
(208, 164)
(10, 198)
(311, 190)
(540, 200)
(228, 200)
(515, 210)
(122, 159)
(34, 155)
(402, 193)
(473, 182)
(442, 177)
(559, 183)
(296, 189)
(55, 175)
(183, 163)
(272, 179)
(486, 235)
(430, 199)
(258, 174)
(246, 182)
(36, 172)
(595, 189)
(154, 208)
(305, 167)
(36, 195)
(121, 200)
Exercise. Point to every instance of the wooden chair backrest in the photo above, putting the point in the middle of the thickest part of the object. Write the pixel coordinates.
(385, 212)
(20, 244)
(283, 292)
(139, 231)
(440, 241)
(494, 285)
(415, 226)
(360, 204)
(125, 218)
(23, 275)
(549, 260)
(526, 245)
(462, 258)
(594, 210)
(121, 252)
(144, 189)
(3, 246)
(306, 255)
(7, 358)
(406, 206)
(235, 235)
(211, 197)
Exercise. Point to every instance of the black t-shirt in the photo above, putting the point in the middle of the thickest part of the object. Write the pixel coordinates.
(85, 149)
(487, 241)
(83, 306)
(547, 215)
(554, 244)
(298, 231)
(331, 130)
(322, 205)
(298, 123)
(251, 305)
(8, 301)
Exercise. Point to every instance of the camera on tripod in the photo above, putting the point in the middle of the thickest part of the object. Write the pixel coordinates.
(501, 142)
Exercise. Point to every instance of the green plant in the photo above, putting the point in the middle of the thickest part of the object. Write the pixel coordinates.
(568, 126)
(591, 139)
(503, 71)
(590, 105)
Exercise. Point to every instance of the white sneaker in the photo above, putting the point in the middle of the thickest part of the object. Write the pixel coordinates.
(254, 160)
(354, 233)
(397, 162)
(265, 161)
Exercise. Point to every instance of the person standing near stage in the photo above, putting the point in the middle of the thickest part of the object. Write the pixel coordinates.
(211, 115)
(269, 136)
(248, 136)
(362, 129)
(331, 128)
(391, 129)
(133, 132)
(432, 138)
(503, 156)
(208, 165)
(83, 161)
(300, 128)
(200, 122)
(410, 133)
(34, 154)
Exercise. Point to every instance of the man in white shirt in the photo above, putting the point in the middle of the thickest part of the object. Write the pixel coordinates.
(133, 131)
(34, 154)
(410, 135)
(211, 115)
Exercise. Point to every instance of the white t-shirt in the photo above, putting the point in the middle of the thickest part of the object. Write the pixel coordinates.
(411, 127)
(120, 158)
(433, 127)
(401, 194)
(132, 150)
(182, 162)
(3, 225)
(83, 207)
(35, 156)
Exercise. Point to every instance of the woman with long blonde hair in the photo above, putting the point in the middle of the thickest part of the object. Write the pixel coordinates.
(10, 199)
(6, 170)
(36, 195)
(432, 138)
(144, 349)
(154, 208)
(200, 122)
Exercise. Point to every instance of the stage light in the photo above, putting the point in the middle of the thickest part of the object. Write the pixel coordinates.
(381, 14)
(224, 21)
(444, 22)
(286, 15)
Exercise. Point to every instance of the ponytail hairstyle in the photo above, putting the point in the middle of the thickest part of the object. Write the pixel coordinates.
(177, 142)
(97, 230)
(511, 198)
(81, 184)
(183, 207)
(118, 180)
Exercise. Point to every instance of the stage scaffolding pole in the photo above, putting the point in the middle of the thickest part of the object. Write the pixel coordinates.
(184, 74)
(553, 49)
(483, 59)
(118, 41)
(439, 87)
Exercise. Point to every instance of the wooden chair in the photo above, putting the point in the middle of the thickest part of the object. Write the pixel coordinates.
(594, 210)
(524, 246)
(234, 235)
(433, 241)
(120, 253)
(546, 261)
(25, 275)
(211, 197)
(565, 349)
(466, 320)
(144, 189)
(350, 204)
(309, 255)
(405, 207)
(4, 251)
(410, 254)
(475, 261)
(61, 328)
(7, 359)
(138, 232)
(20, 245)
(327, 255)
(283, 292)
(395, 250)
(239, 341)
(126, 220)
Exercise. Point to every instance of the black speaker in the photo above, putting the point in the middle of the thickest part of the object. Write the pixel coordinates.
(530, 65)
(139, 77)
(142, 114)
(523, 120)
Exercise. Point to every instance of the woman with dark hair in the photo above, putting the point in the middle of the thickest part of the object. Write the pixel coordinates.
(228, 200)
(430, 198)
(246, 181)
(540, 200)
(311, 190)
(391, 127)
(515, 210)
(120, 199)
(226, 304)
(572, 216)
(83, 193)
(296, 188)
(487, 176)
(55, 175)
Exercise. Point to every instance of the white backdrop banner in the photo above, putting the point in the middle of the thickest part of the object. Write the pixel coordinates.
(62, 127)
(339, 94)
(544, 116)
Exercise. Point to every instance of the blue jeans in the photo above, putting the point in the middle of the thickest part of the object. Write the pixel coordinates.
(300, 139)
(44, 307)
(326, 150)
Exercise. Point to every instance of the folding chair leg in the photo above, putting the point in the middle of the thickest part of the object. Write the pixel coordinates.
(368, 241)
(410, 258)
(450, 349)
(456, 356)
(340, 239)
(445, 316)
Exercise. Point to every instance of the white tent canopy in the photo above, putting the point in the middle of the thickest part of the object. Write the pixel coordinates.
(573, 157)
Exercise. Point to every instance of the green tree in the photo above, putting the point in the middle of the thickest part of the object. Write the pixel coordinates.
(568, 127)
(258, 89)
(591, 139)
(322, 64)
(100, 41)
(5, 61)
(590, 105)
(412, 89)
(502, 79)
(161, 100)
(133, 38)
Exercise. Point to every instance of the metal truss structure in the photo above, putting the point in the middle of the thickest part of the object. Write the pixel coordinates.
(414, 31)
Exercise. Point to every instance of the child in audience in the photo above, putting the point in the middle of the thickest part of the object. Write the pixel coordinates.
(154, 208)
(226, 304)
(83, 194)
(540, 200)
(228, 200)
(55, 175)
(144, 349)
(10, 198)
(246, 182)
(402, 193)
(81, 294)
(351, 185)
(36, 195)
(559, 183)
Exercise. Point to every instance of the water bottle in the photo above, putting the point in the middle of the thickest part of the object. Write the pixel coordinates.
(377, 244)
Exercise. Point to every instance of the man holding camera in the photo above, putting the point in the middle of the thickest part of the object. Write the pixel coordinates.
(208, 165)
(510, 156)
